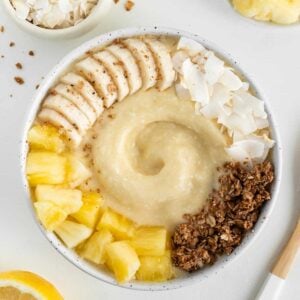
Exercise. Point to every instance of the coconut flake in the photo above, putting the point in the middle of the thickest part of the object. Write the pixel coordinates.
(261, 123)
(192, 47)
(252, 147)
(213, 67)
(22, 10)
(177, 59)
(195, 82)
(216, 105)
(231, 80)
(244, 124)
(256, 105)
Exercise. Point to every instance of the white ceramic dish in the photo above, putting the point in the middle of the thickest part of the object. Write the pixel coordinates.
(94, 18)
(72, 256)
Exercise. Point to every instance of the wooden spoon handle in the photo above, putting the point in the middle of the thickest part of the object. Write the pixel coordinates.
(284, 263)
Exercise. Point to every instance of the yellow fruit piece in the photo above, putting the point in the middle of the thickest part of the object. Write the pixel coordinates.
(77, 172)
(89, 212)
(149, 241)
(155, 268)
(94, 249)
(67, 199)
(26, 286)
(72, 234)
(123, 260)
(46, 137)
(49, 214)
(45, 168)
(277, 11)
(121, 227)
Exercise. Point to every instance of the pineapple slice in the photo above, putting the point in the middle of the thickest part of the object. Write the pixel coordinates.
(121, 227)
(94, 249)
(67, 199)
(150, 241)
(50, 214)
(155, 268)
(77, 172)
(72, 234)
(46, 137)
(122, 260)
(45, 168)
(90, 210)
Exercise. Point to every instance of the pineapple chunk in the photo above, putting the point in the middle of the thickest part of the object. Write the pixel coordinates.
(46, 137)
(150, 241)
(94, 249)
(155, 268)
(121, 227)
(90, 210)
(77, 172)
(67, 199)
(278, 11)
(45, 168)
(72, 234)
(123, 260)
(49, 214)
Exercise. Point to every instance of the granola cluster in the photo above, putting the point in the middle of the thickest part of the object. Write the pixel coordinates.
(231, 212)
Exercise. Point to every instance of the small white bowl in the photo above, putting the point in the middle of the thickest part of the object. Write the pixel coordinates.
(93, 270)
(94, 18)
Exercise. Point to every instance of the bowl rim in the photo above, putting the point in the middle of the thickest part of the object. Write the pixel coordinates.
(48, 32)
(75, 259)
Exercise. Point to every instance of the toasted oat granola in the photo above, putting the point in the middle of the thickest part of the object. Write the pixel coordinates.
(231, 212)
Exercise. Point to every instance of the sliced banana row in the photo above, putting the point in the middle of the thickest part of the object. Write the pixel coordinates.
(103, 78)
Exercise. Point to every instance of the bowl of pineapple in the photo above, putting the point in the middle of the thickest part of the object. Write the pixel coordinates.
(77, 219)
(282, 12)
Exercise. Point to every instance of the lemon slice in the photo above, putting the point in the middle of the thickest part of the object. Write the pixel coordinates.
(26, 286)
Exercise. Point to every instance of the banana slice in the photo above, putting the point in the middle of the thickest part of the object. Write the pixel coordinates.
(71, 94)
(83, 87)
(145, 61)
(51, 116)
(130, 65)
(162, 57)
(98, 76)
(67, 109)
(115, 70)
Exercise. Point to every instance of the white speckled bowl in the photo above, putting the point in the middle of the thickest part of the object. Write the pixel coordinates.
(94, 18)
(72, 256)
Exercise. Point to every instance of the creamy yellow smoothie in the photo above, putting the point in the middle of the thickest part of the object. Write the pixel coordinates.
(154, 159)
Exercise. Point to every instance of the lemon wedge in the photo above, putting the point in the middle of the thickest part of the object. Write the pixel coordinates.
(26, 286)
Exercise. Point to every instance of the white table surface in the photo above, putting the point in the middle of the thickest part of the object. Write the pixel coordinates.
(269, 53)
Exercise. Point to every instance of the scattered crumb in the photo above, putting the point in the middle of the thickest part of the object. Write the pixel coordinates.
(2, 29)
(19, 80)
(31, 53)
(19, 66)
(129, 5)
(12, 44)
(37, 86)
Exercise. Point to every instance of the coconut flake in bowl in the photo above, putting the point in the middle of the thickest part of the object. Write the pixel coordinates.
(57, 18)
(53, 14)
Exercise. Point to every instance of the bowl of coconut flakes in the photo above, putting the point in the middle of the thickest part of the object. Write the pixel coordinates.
(57, 18)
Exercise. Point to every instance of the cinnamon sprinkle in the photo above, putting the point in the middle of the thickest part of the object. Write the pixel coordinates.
(129, 5)
(19, 80)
